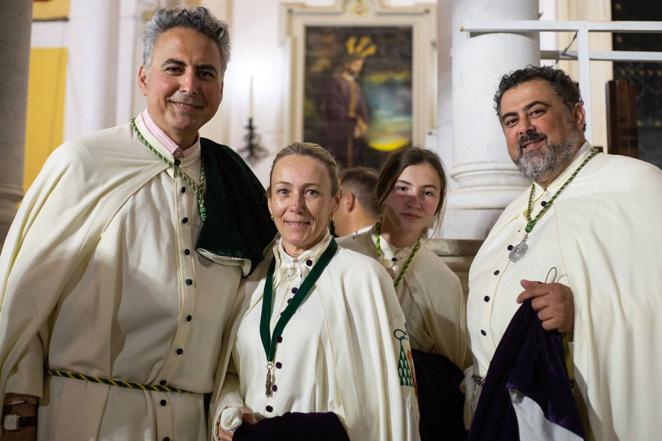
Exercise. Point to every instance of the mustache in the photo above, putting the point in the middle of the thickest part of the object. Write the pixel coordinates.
(530, 137)
(184, 98)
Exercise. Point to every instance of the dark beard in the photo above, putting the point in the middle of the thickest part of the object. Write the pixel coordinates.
(546, 163)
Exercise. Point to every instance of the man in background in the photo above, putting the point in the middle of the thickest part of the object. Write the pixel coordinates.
(358, 209)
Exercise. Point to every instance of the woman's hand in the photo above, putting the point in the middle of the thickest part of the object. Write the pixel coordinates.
(247, 417)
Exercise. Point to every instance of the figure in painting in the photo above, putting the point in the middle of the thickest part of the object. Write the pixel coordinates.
(345, 108)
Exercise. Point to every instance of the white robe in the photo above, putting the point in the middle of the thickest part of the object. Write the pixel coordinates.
(338, 354)
(602, 236)
(93, 277)
(434, 290)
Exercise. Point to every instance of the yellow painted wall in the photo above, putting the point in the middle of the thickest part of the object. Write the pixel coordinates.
(50, 9)
(45, 122)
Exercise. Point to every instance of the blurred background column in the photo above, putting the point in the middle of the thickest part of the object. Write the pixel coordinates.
(484, 179)
(15, 26)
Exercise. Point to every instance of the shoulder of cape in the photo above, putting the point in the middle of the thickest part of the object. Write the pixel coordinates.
(231, 162)
(431, 261)
(350, 264)
(621, 172)
(100, 155)
(222, 151)
(431, 271)
(115, 145)
(361, 243)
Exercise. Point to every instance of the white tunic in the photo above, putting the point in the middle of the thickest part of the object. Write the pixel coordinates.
(338, 352)
(601, 237)
(99, 275)
(430, 294)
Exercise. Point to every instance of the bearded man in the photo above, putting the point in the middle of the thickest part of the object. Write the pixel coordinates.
(583, 243)
(120, 270)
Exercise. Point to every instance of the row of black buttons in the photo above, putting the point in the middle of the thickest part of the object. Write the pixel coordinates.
(497, 272)
(486, 299)
(189, 317)
(188, 282)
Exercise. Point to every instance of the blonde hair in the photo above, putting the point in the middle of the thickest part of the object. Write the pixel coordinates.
(312, 150)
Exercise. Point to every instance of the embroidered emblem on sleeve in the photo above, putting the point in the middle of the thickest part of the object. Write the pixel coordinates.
(405, 370)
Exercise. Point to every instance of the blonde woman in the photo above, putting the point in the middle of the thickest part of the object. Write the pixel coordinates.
(320, 331)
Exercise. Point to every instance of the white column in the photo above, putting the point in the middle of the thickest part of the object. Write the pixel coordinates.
(128, 100)
(15, 25)
(220, 127)
(485, 179)
(93, 66)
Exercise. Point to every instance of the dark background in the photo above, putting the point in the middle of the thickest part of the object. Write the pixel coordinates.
(646, 77)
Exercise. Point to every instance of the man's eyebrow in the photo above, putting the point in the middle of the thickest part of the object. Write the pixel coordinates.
(199, 67)
(173, 61)
(535, 103)
(526, 108)
(206, 67)
(506, 115)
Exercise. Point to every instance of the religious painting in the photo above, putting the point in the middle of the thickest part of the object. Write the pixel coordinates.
(357, 99)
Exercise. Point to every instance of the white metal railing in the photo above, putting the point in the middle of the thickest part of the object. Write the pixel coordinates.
(583, 54)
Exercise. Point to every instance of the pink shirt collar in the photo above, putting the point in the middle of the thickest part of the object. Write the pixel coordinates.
(163, 138)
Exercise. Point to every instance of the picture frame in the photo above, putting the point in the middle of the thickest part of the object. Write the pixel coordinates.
(393, 92)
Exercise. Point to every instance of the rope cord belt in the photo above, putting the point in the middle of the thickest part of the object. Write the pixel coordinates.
(115, 382)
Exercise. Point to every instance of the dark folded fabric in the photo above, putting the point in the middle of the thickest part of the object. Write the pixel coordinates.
(238, 221)
(440, 400)
(528, 359)
(294, 426)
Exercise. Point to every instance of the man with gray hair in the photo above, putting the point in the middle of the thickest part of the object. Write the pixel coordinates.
(120, 270)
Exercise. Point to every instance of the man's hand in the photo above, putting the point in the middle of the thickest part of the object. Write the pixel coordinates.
(553, 302)
(247, 416)
(22, 405)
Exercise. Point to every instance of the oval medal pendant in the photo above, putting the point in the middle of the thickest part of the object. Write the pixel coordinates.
(519, 250)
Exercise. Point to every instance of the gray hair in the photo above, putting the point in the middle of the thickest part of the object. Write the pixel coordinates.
(312, 150)
(199, 19)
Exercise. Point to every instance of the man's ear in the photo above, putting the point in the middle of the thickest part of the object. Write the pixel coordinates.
(579, 116)
(142, 80)
(349, 200)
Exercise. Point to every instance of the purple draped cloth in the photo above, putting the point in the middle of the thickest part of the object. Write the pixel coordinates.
(530, 360)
